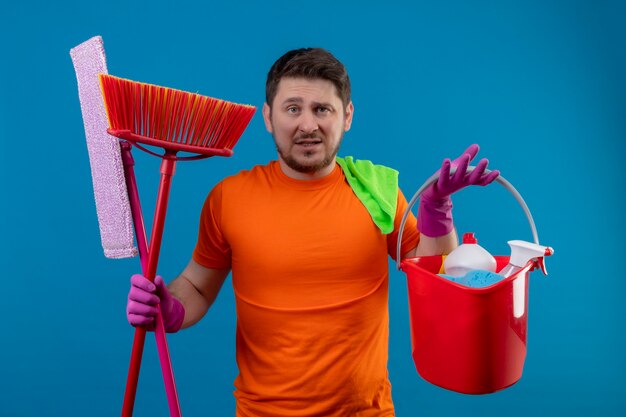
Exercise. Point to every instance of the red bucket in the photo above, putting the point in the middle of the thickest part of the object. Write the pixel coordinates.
(468, 340)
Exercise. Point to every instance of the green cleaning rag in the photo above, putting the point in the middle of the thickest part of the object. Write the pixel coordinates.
(377, 188)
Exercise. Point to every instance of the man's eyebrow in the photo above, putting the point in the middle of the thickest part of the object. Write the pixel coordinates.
(299, 100)
(323, 104)
(293, 100)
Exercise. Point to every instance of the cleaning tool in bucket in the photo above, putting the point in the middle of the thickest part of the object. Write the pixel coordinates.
(478, 278)
(468, 256)
(117, 200)
(521, 253)
(469, 264)
(468, 340)
(148, 115)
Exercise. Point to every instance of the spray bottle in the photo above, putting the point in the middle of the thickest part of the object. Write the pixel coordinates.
(521, 253)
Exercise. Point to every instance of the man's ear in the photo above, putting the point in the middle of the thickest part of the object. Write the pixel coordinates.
(349, 114)
(267, 117)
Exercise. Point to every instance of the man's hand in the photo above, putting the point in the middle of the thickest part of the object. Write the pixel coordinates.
(143, 304)
(434, 215)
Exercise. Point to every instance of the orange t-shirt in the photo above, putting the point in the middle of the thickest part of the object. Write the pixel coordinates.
(310, 276)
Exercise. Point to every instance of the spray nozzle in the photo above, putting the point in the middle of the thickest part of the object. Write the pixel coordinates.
(522, 252)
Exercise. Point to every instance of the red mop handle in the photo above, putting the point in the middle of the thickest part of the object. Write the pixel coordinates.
(168, 167)
(133, 372)
(167, 170)
(142, 244)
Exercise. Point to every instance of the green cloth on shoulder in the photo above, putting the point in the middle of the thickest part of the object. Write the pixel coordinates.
(377, 188)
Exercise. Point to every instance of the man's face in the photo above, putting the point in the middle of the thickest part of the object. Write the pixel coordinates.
(307, 121)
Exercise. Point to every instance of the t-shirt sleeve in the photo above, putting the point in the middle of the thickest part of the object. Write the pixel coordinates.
(212, 249)
(410, 236)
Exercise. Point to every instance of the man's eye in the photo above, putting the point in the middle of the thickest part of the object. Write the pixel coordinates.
(323, 109)
(292, 109)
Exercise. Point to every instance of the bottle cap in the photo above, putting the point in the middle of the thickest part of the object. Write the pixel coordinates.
(469, 238)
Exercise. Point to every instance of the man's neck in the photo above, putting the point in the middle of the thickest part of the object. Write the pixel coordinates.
(306, 176)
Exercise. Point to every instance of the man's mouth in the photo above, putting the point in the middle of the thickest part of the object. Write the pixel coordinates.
(308, 142)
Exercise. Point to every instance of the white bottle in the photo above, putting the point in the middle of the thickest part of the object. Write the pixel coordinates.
(521, 253)
(468, 256)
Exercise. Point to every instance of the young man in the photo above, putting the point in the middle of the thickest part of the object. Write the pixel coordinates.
(308, 254)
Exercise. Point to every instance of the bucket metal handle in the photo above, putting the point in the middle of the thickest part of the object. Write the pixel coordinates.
(434, 178)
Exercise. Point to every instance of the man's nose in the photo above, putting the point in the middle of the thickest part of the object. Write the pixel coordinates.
(308, 122)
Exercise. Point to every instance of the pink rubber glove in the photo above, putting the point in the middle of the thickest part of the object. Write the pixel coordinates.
(143, 304)
(434, 215)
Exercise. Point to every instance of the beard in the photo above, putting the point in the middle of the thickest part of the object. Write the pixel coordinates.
(308, 168)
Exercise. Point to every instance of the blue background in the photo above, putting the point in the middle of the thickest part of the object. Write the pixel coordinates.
(540, 85)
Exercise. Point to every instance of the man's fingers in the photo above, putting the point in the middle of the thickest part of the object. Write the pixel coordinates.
(161, 287)
(139, 281)
(143, 297)
(444, 175)
(139, 309)
(142, 290)
(142, 321)
(475, 176)
(472, 151)
(489, 178)
(461, 168)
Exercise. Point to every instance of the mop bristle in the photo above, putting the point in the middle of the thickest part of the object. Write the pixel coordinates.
(173, 119)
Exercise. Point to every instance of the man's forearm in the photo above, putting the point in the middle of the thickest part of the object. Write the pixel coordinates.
(442, 245)
(196, 305)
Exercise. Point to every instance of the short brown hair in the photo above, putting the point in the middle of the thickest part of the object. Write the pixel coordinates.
(309, 63)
